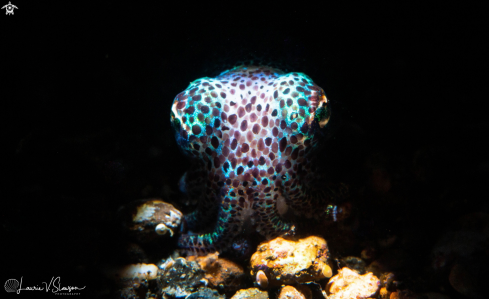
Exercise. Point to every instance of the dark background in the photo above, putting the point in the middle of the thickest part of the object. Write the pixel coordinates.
(87, 90)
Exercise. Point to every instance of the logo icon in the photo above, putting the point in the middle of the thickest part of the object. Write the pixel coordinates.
(9, 8)
(11, 285)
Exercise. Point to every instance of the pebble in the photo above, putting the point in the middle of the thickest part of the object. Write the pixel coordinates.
(179, 277)
(255, 293)
(290, 262)
(150, 219)
(205, 293)
(220, 272)
(348, 284)
(290, 292)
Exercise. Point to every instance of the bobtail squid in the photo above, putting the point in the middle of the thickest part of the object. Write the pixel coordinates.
(251, 131)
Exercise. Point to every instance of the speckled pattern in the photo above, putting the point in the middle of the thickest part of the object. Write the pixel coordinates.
(251, 130)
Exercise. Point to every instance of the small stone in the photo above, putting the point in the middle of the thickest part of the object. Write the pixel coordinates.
(161, 229)
(150, 219)
(384, 293)
(250, 293)
(354, 263)
(388, 280)
(289, 292)
(262, 279)
(290, 262)
(205, 293)
(170, 279)
(157, 211)
(405, 294)
(348, 284)
(220, 272)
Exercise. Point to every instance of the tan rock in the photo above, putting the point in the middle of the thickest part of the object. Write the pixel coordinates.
(289, 292)
(150, 219)
(384, 293)
(394, 295)
(219, 272)
(348, 284)
(250, 293)
(290, 262)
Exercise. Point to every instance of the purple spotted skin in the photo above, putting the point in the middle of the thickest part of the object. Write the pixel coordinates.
(251, 131)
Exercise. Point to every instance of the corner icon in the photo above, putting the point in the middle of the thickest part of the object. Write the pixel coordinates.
(9, 8)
